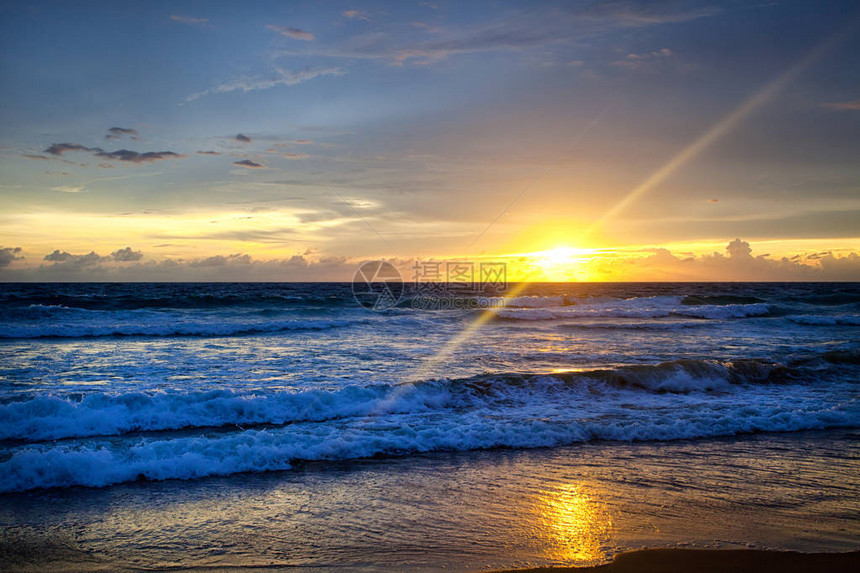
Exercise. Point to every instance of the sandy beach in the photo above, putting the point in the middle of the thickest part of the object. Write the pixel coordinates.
(586, 505)
(719, 561)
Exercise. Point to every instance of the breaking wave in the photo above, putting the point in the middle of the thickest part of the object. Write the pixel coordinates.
(159, 436)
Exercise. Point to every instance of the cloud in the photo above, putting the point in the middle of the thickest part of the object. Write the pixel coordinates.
(492, 38)
(135, 157)
(69, 189)
(119, 132)
(355, 15)
(738, 263)
(243, 138)
(61, 265)
(126, 255)
(647, 12)
(845, 105)
(221, 261)
(61, 148)
(190, 20)
(208, 153)
(249, 164)
(641, 61)
(280, 77)
(33, 156)
(68, 259)
(9, 254)
(517, 30)
(293, 33)
(120, 155)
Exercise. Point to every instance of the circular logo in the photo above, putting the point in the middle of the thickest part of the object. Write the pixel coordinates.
(377, 285)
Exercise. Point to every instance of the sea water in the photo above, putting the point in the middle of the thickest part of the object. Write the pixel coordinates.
(110, 384)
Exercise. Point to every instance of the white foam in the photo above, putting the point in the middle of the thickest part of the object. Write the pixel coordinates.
(614, 414)
(645, 307)
(162, 326)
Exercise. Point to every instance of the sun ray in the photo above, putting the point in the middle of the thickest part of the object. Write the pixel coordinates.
(720, 128)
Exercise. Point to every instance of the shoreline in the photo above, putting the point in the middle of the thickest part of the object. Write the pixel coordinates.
(714, 561)
(722, 502)
(656, 560)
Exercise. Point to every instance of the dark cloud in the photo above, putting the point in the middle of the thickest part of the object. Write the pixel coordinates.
(126, 255)
(249, 164)
(232, 267)
(32, 156)
(135, 157)
(119, 155)
(119, 132)
(243, 138)
(209, 153)
(9, 254)
(221, 261)
(61, 148)
(293, 33)
(68, 259)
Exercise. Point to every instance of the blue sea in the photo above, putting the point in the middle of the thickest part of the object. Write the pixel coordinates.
(135, 390)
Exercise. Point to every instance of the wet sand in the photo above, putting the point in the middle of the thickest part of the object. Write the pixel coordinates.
(580, 506)
(719, 561)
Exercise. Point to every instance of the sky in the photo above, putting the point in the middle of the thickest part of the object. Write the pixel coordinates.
(280, 141)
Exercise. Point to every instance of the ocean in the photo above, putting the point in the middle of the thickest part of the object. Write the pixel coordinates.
(285, 424)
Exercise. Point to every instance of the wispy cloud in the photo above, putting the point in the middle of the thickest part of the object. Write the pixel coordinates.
(643, 60)
(280, 77)
(646, 12)
(70, 189)
(517, 31)
(190, 20)
(290, 32)
(844, 105)
(208, 153)
(355, 15)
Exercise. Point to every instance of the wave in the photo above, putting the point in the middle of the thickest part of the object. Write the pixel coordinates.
(645, 307)
(825, 320)
(53, 417)
(103, 439)
(177, 296)
(104, 462)
(162, 327)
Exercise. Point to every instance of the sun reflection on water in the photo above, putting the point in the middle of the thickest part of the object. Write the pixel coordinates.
(575, 525)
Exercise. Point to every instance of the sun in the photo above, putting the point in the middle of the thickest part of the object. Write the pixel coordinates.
(557, 256)
(560, 264)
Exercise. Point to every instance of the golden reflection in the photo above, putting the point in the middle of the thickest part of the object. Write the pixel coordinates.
(575, 526)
